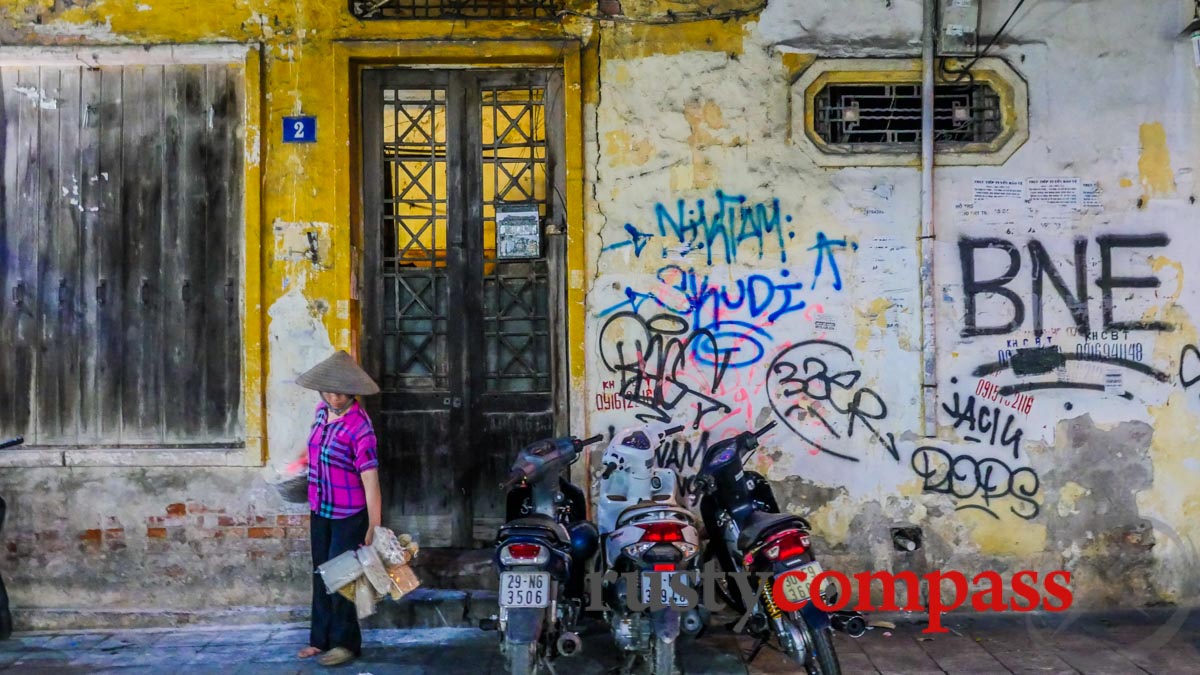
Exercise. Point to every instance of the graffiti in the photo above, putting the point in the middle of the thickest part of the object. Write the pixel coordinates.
(720, 229)
(824, 248)
(991, 391)
(809, 381)
(964, 477)
(1041, 267)
(985, 420)
(1189, 369)
(738, 313)
(637, 239)
(651, 356)
(1043, 360)
(684, 457)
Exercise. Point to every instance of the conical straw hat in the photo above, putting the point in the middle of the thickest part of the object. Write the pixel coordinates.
(339, 374)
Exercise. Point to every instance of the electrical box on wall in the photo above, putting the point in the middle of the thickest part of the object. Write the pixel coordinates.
(958, 27)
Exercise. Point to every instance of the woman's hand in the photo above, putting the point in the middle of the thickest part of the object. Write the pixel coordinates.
(370, 536)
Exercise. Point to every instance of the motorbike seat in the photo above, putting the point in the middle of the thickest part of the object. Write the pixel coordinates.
(760, 524)
(537, 522)
(647, 507)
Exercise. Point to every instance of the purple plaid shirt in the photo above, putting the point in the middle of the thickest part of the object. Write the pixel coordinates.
(338, 452)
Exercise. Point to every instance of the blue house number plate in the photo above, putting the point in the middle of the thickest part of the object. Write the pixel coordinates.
(300, 129)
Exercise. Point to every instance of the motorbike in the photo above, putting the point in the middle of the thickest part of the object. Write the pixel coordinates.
(748, 534)
(541, 554)
(646, 535)
(6, 624)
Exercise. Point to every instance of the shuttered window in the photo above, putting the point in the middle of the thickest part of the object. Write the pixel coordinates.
(120, 254)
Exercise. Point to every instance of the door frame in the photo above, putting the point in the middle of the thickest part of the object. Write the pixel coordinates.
(567, 305)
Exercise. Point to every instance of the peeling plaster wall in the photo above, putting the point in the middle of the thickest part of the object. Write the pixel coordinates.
(713, 299)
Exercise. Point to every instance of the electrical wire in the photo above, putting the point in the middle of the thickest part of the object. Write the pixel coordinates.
(965, 71)
(671, 17)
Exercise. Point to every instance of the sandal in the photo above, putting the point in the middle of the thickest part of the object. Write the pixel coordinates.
(336, 657)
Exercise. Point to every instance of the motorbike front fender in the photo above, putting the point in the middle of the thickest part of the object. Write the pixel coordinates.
(815, 618)
(524, 625)
(667, 622)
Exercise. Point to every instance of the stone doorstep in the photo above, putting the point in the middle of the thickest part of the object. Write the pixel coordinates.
(423, 608)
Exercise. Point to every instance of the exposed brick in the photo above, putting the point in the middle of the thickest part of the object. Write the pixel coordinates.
(262, 520)
(92, 536)
(235, 533)
(296, 532)
(194, 507)
(227, 521)
(176, 509)
(116, 545)
(216, 534)
(266, 533)
(156, 532)
(115, 533)
(291, 520)
(155, 520)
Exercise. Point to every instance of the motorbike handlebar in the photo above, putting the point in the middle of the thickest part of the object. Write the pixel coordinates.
(769, 426)
(594, 439)
(609, 468)
(12, 442)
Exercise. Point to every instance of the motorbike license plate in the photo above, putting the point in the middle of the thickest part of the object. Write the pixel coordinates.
(796, 590)
(524, 589)
(667, 596)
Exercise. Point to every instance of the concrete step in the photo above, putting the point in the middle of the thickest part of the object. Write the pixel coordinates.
(435, 608)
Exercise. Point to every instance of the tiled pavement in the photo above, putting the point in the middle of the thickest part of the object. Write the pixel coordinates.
(1119, 644)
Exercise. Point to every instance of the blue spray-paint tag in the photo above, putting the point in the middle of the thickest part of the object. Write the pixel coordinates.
(302, 129)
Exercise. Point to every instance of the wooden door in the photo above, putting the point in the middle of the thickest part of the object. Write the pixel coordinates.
(463, 216)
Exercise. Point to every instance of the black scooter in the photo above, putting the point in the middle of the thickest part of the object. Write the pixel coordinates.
(6, 624)
(747, 533)
(540, 556)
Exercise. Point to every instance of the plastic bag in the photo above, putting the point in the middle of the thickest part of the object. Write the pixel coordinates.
(404, 580)
(374, 570)
(364, 598)
(340, 571)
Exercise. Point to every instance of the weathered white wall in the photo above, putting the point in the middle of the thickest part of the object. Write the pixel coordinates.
(1102, 483)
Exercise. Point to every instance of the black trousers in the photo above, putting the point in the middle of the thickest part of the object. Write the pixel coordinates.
(334, 621)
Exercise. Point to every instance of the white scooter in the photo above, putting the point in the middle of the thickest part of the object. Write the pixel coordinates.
(646, 536)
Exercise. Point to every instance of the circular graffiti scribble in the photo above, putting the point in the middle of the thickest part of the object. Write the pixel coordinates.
(814, 389)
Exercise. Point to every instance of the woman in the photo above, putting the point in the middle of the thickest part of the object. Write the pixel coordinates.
(343, 492)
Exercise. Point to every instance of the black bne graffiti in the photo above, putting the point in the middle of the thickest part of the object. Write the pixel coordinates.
(1042, 266)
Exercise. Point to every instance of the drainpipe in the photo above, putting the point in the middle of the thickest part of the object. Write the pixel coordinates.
(927, 238)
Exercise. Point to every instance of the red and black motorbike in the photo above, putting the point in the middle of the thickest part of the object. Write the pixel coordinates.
(748, 534)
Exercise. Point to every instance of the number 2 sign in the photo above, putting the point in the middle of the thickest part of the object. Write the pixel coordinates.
(300, 129)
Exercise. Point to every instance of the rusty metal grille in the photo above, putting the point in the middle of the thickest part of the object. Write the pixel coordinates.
(454, 9)
(516, 293)
(887, 117)
(414, 239)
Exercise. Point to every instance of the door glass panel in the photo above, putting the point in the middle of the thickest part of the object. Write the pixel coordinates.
(414, 240)
(515, 292)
